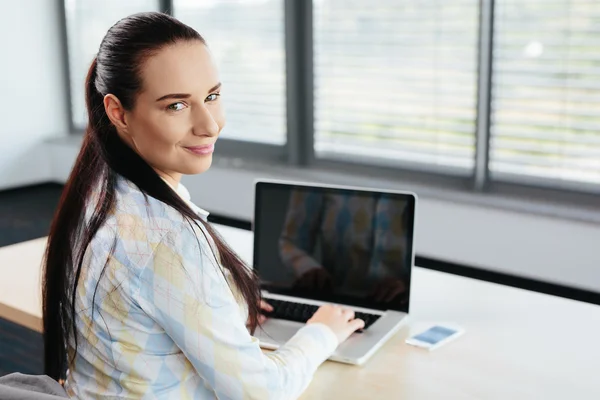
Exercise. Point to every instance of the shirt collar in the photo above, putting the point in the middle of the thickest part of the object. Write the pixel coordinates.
(185, 195)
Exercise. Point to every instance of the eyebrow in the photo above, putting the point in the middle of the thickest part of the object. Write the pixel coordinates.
(186, 95)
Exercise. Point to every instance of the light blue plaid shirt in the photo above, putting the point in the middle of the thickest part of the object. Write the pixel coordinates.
(167, 320)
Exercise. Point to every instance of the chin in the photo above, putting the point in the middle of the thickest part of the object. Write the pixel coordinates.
(199, 166)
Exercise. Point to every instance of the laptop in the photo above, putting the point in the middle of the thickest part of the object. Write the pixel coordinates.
(320, 244)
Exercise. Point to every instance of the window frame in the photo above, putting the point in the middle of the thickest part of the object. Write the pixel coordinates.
(298, 151)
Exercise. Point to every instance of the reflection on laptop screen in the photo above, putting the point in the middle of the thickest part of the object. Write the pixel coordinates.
(344, 246)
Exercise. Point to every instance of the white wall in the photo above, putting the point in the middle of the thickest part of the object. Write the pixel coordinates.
(33, 103)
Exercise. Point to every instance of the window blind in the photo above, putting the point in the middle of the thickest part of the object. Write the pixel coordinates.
(546, 91)
(396, 80)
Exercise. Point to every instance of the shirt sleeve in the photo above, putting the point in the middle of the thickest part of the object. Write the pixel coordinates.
(185, 291)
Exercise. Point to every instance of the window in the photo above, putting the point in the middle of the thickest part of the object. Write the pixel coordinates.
(395, 83)
(396, 80)
(87, 23)
(546, 90)
(247, 40)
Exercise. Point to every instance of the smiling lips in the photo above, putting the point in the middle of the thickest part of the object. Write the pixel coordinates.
(202, 150)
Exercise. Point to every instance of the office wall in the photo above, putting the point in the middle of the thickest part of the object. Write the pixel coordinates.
(33, 105)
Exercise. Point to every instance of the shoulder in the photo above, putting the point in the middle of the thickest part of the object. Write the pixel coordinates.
(139, 225)
(184, 265)
(140, 217)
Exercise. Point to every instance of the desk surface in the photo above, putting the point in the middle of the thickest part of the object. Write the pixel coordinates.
(20, 283)
(517, 345)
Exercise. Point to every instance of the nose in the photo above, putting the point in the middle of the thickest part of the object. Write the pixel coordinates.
(204, 123)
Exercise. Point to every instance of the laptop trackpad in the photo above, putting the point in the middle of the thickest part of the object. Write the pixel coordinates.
(277, 331)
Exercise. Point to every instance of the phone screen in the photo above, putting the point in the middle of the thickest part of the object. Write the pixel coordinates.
(435, 335)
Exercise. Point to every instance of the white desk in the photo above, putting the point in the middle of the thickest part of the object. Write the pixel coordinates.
(518, 344)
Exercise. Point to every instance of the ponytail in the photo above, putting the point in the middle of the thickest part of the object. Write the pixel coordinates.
(91, 92)
(94, 99)
(65, 250)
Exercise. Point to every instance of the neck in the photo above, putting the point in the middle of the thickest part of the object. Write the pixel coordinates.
(171, 179)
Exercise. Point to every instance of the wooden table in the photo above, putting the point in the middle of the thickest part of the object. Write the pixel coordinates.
(20, 283)
(517, 345)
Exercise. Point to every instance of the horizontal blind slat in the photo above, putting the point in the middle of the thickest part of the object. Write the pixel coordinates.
(397, 79)
(546, 90)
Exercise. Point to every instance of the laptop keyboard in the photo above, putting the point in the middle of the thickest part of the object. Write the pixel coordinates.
(300, 312)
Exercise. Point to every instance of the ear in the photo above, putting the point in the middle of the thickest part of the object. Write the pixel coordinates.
(115, 111)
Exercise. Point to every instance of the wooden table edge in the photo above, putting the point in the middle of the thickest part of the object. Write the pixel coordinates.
(21, 318)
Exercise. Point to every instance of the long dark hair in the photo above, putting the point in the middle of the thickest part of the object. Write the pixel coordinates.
(102, 158)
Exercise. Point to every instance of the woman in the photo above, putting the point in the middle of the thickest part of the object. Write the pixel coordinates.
(141, 297)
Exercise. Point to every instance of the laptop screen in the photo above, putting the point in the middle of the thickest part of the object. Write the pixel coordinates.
(345, 246)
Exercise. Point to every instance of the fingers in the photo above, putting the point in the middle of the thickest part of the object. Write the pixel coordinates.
(357, 324)
(348, 314)
(353, 323)
(265, 306)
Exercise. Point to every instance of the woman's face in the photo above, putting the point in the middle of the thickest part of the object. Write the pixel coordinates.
(177, 116)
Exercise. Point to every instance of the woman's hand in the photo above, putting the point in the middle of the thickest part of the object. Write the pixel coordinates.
(340, 320)
(265, 308)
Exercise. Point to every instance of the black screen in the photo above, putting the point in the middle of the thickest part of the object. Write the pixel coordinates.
(340, 245)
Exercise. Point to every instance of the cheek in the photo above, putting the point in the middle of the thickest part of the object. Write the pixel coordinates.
(156, 137)
(158, 132)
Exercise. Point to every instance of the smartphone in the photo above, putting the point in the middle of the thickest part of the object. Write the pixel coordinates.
(434, 337)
